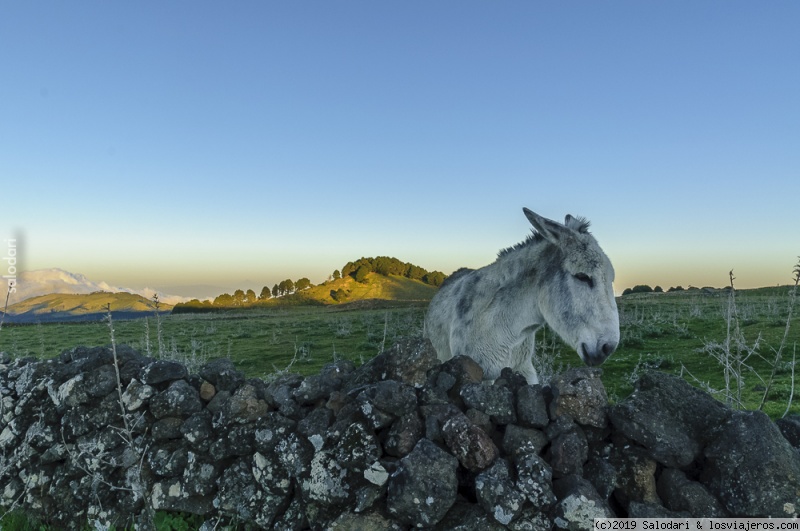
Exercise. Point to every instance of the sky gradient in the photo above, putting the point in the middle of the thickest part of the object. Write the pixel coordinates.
(235, 145)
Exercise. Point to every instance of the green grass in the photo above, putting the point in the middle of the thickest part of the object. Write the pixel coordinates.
(258, 340)
(663, 331)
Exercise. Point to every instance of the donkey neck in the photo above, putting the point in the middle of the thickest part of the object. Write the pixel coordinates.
(518, 274)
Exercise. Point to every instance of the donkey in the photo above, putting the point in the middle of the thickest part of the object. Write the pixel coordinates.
(558, 276)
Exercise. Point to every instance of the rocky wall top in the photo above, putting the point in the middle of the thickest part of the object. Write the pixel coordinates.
(403, 441)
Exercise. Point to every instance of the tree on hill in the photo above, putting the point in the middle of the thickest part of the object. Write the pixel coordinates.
(434, 279)
(238, 297)
(286, 286)
(336, 275)
(362, 272)
(338, 295)
(276, 290)
(250, 297)
(387, 265)
(265, 294)
(302, 284)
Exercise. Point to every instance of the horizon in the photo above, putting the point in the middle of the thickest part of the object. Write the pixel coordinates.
(257, 142)
(170, 297)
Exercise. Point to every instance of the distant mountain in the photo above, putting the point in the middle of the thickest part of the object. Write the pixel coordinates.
(47, 281)
(80, 307)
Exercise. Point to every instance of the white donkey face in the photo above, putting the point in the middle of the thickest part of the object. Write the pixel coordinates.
(576, 296)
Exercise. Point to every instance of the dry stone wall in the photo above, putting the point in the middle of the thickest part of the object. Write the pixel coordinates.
(401, 442)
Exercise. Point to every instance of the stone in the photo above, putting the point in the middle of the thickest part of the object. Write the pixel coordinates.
(179, 400)
(464, 516)
(671, 419)
(464, 370)
(434, 417)
(567, 453)
(682, 495)
(470, 444)
(652, 510)
(497, 493)
(137, 395)
(407, 361)
(167, 428)
(532, 407)
(222, 374)
(636, 479)
(580, 393)
(403, 435)
(790, 428)
(244, 405)
(497, 401)
(752, 469)
(162, 371)
(518, 440)
(270, 430)
(424, 486)
(207, 391)
(315, 425)
(578, 504)
(535, 481)
(319, 387)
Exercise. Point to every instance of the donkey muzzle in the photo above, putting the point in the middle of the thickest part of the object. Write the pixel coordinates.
(597, 355)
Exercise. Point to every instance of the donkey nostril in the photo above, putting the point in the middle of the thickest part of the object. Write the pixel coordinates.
(608, 348)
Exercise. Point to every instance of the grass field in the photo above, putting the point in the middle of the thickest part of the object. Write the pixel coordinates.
(665, 331)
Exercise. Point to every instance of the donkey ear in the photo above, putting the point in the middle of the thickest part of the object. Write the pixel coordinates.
(552, 231)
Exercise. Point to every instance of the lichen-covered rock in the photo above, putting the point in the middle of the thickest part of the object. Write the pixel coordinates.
(578, 504)
(470, 444)
(423, 488)
(497, 493)
(535, 481)
(518, 440)
(580, 393)
(179, 400)
(497, 401)
(753, 469)
(381, 403)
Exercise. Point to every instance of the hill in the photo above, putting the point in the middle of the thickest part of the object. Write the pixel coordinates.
(80, 307)
(373, 286)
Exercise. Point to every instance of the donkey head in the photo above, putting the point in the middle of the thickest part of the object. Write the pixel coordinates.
(576, 296)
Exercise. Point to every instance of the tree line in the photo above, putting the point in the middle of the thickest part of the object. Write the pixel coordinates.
(242, 298)
(644, 288)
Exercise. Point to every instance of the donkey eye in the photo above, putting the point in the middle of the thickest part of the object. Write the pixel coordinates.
(586, 279)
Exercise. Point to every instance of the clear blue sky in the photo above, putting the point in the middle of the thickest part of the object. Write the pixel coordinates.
(174, 143)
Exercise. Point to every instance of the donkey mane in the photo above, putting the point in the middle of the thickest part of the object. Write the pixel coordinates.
(579, 224)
